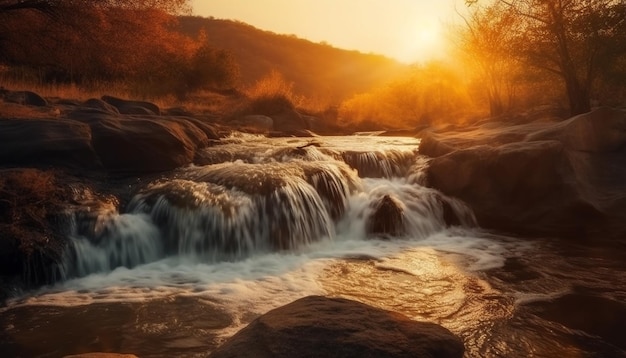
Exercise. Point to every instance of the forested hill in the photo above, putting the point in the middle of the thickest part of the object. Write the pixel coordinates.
(315, 69)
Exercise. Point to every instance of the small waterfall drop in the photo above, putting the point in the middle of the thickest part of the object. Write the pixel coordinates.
(126, 240)
(269, 198)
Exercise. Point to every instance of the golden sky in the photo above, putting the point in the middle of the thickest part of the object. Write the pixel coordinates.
(408, 30)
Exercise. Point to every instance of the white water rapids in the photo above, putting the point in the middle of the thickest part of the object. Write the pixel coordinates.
(201, 252)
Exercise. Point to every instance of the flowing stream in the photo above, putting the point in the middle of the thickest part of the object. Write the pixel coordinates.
(200, 252)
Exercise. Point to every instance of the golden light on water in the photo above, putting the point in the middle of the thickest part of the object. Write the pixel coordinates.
(421, 283)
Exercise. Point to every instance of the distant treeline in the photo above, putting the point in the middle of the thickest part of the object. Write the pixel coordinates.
(508, 57)
(153, 48)
(316, 69)
(133, 43)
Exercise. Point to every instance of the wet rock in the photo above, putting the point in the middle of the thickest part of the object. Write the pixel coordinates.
(594, 315)
(208, 129)
(316, 326)
(450, 217)
(562, 179)
(520, 187)
(387, 219)
(132, 107)
(46, 142)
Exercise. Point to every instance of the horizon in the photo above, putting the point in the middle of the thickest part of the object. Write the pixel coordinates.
(409, 32)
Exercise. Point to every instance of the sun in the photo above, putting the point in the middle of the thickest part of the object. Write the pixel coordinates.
(428, 37)
(421, 44)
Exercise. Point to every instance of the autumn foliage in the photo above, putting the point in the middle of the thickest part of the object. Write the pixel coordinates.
(428, 94)
(124, 42)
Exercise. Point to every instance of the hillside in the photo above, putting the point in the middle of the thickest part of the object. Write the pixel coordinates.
(317, 70)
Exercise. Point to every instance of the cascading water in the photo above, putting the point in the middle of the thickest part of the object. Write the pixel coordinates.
(257, 223)
(282, 199)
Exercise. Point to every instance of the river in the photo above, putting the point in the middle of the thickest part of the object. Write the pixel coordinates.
(202, 251)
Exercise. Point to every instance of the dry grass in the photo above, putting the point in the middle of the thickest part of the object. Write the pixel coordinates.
(65, 90)
(202, 102)
(274, 90)
(274, 85)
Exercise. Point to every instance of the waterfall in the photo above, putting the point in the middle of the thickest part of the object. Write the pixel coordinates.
(266, 198)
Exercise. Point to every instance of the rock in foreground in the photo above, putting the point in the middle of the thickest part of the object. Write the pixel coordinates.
(317, 326)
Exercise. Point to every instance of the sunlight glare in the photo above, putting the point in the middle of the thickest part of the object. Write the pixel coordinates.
(422, 43)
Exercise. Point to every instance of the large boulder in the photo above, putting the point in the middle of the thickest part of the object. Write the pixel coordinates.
(25, 142)
(143, 144)
(564, 179)
(316, 326)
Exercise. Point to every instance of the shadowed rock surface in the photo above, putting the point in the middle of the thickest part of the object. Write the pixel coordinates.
(316, 326)
(143, 144)
(596, 315)
(46, 141)
(566, 179)
(387, 219)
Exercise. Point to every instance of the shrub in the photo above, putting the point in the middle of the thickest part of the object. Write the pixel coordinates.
(30, 242)
(272, 94)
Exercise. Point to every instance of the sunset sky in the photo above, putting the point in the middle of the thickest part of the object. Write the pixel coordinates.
(408, 30)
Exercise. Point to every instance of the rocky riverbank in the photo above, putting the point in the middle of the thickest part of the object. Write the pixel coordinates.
(556, 178)
(57, 154)
(549, 178)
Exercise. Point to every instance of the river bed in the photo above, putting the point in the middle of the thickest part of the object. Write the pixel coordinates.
(198, 254)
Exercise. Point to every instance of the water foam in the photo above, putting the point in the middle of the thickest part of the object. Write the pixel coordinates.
(269, 223)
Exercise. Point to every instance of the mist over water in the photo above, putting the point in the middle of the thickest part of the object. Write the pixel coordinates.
(201, 252)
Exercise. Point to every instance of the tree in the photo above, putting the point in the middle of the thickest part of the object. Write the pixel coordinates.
(53, 7)
(486, 40)
(55, 22)
(84, 42)
(212, 68)
(567, 38)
